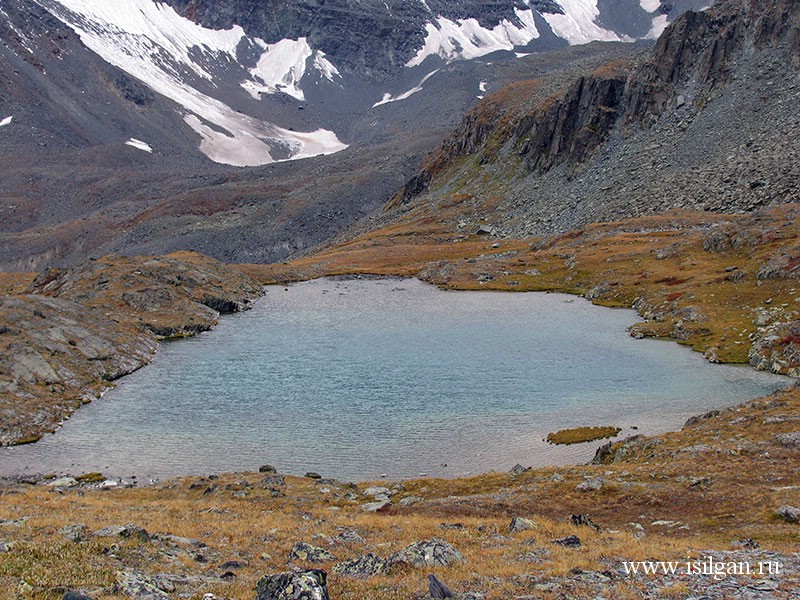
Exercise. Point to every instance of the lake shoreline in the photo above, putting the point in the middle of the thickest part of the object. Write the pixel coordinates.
(439, 461)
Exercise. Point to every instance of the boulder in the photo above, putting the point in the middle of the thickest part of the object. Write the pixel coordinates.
(790, 514)
(590, 485)
(379, 506)
(521, 524)
(409, 500)
(437, 589)
(303, 585)
(789, 440)
(362, 567)
(139, 586)
(583, 521)
(427, 553)
(64, 482)
(571, 541)
(273, 480)
(518, 470)
(73, 533)
(308, 553)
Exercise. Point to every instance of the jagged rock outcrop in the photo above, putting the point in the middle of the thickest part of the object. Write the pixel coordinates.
(169, 296)
(78, 329)
(574, 125)
(55, 355)
(777, 349)
(703, 120)
(698, 53)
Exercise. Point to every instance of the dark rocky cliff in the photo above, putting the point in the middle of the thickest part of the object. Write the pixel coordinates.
(573, 126)
(701, 50)
(631, 126)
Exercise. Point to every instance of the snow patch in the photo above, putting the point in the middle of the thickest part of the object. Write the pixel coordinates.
(387, 97)
(139, 144)
(578, 23)
(482, 86)
(147, 29)
(283, 65)
(650, 5)
(154, 44)
(660, 23)
(324, 66)
(466, 38)
(6, 121)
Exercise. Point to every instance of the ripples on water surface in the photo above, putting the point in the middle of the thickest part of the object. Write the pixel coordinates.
(354, 379)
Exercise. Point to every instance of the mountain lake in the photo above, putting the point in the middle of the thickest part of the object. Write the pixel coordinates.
(362, 378)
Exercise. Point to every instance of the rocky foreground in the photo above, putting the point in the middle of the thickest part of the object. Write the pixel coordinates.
(68, 333)
(716, 499)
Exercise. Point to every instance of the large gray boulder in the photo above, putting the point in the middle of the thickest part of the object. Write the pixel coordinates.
(427, 553)
(362, 567)
(304, 585)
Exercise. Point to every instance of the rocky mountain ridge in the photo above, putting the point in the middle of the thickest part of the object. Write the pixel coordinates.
(689, 125)
(125, 130)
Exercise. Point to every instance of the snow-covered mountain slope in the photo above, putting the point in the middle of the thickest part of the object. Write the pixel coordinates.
(144, 126)
(177, 58)
(194, 65)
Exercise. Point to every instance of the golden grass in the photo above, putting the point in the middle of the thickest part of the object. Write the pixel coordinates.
(15, 283)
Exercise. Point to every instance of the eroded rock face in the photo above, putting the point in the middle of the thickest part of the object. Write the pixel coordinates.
(573, 126)
(79, 329)
(170, 296)
(55, 355)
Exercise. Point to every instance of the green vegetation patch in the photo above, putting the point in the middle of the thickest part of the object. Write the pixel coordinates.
(578, 435)
(91, 478)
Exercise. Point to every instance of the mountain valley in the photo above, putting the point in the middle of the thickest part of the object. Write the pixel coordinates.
(163, 161)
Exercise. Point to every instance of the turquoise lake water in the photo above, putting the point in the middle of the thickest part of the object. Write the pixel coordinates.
(356, 379)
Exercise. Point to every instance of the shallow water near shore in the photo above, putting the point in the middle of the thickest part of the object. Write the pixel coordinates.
(356, 379)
